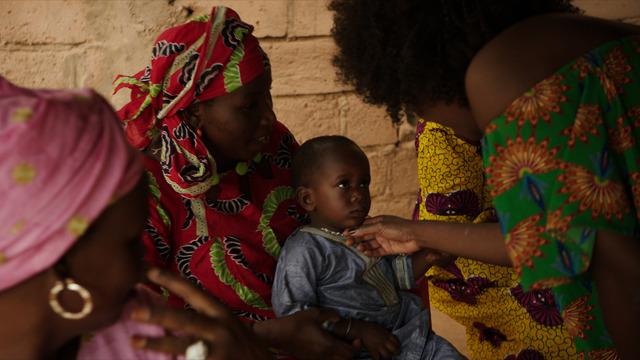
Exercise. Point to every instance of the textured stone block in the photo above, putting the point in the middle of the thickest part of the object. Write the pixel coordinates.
(311, 18)
(367, 124)
(268, 16)
(404, 171)
(398, 206)
(308, 116)
(610, 9)
(379, 162)
(303, 67)
(44, 22)
(46, 69)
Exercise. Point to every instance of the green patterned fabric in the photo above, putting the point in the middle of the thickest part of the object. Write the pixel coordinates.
(562, 162)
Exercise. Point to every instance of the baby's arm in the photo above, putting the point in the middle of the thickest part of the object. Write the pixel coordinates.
(422, 260)
(409, 268)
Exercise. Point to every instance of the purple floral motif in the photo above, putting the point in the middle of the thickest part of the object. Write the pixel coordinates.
(540, 305)
(493, 336)
(464, 291)
(461, 202)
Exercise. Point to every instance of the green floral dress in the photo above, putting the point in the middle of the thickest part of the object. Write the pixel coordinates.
(563, 161)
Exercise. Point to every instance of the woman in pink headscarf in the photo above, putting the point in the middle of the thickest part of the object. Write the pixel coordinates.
(218, 161)
(73, 208)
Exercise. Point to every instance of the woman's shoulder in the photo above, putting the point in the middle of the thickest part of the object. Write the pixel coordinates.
(527, 53)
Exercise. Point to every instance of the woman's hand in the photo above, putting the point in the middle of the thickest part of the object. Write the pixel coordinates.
(302, 335)
(383, 235)
(226, 337)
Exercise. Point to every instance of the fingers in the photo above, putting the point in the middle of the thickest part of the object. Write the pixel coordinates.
(373, 220)
(198, 299)
(393, 345)
(188, 322)
(387, 349)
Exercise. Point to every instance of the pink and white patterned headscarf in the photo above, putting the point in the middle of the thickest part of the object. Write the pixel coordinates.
(64, 160)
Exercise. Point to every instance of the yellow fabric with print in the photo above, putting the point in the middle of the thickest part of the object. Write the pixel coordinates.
(502, 321)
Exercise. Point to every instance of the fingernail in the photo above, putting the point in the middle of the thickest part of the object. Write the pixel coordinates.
(141, 314)
(352, 231)
(138, 342)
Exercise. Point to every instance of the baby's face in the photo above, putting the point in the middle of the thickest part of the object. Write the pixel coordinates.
(341, 189)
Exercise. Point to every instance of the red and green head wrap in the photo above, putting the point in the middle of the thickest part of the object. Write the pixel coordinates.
(209, 56)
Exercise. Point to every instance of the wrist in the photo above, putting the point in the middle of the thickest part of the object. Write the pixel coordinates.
(265, 331)
(346, 329)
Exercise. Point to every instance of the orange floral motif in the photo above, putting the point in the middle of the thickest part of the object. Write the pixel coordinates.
(557, 222)
(621, 137)
(634, 113)
(539, 102)
(517, 160)
(587, 117)
(576, 317)
(603, 196)
(584, 67)
(604, 354)
(549, 283)
(615, 72)
(490, 128)
(612, 72)
(523, 242)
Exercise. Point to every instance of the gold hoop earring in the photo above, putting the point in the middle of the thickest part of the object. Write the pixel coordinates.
(71, 286)
(199, 132)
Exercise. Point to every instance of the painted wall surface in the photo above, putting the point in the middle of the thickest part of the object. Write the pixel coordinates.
(86, 43)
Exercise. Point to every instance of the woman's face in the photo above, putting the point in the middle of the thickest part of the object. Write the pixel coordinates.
(237, 126)
(107, 260)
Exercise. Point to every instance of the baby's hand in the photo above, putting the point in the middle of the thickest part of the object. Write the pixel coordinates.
(376, 339)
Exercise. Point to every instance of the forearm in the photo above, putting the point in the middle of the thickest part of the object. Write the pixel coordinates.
(482, 242)
(419, 263)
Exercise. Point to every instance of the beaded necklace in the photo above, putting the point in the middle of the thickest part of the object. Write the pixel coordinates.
(241, 168)
(331, 232)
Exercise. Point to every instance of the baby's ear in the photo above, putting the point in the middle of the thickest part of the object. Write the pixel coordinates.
(304, 196)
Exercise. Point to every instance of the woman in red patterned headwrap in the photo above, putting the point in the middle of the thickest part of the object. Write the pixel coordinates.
(218, 162)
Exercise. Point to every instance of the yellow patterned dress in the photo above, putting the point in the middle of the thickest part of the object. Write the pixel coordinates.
(502, 321)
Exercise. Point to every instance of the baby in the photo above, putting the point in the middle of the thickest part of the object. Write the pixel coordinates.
(316, 269)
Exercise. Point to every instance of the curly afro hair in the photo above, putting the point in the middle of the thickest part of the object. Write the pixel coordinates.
(406, 53)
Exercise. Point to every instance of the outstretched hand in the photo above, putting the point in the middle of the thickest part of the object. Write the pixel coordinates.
(383, 235)
(226, 337)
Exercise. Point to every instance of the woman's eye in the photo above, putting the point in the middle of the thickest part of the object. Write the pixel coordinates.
(343, 185)
(364, 185)
(250, 105)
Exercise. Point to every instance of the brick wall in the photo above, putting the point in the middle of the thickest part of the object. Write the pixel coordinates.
(75, 43)
(86, 43)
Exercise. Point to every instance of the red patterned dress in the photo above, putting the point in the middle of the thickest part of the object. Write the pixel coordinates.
(228, 247)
